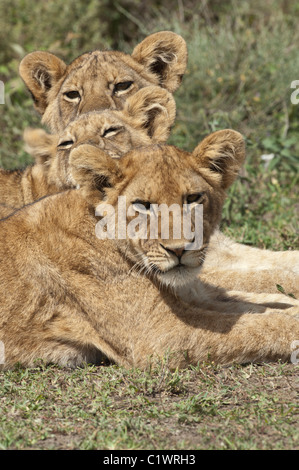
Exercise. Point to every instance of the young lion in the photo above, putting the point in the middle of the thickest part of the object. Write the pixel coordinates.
(146, 118)
(98, 80)
(67, 297)
(101, 80)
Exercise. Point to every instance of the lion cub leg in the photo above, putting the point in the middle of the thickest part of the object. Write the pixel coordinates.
(253, 280)
(252, 338)
(233, 301)
(228, 254)
(289, 305)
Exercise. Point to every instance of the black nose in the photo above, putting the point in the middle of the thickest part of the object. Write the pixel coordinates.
(175, 251)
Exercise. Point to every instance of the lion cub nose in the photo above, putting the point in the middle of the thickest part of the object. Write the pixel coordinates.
(177, 251)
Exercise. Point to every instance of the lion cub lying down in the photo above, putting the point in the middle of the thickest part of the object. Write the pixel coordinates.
(228, 264)
(68, 296)
(99, 80)
(146, 118)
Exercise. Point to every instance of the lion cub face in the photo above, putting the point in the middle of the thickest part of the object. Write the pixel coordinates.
(147, 178)
(101, 80)
(146, 118)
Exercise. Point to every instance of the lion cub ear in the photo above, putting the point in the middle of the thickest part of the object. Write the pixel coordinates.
(93, 169)
(165, 55)
(40, 71)
(40, 145)
(220, 156)
(151, 109)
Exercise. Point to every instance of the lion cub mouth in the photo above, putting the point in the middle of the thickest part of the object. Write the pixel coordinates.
(180, 268)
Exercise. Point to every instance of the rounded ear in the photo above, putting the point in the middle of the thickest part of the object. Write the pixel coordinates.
(92, 168)
(165, 55)
(40, 71)
(153, 109)
(220, 156)
(40, 145)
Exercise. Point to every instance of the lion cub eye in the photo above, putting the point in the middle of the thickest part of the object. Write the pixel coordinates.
(111, 131)
(66, 144)
(73, 96)
(141, 206)
(194, 198)
(122, 86)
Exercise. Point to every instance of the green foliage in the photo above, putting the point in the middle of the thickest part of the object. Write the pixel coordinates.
(210, 407)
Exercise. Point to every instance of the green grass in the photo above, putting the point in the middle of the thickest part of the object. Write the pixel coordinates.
(243, 57)
(204, 407)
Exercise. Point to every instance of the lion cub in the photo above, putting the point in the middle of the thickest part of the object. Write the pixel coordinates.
(98, 80)
(146, 118)
(68, 296)
(101, 80)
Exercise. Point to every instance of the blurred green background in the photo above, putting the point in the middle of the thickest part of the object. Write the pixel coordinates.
(243, 57)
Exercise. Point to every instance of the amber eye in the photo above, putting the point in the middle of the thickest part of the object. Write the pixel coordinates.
(111, 131)
(122, 86)
(196, 197)
(72, 95)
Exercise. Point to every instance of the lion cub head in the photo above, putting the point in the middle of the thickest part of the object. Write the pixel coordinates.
(146, 118)
(101, 80)
(134, 188)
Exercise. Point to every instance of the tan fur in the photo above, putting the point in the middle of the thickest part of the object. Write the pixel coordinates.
(67, 297)
(235, 266)
(160, 59)
(101, 80)
(146, 118)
